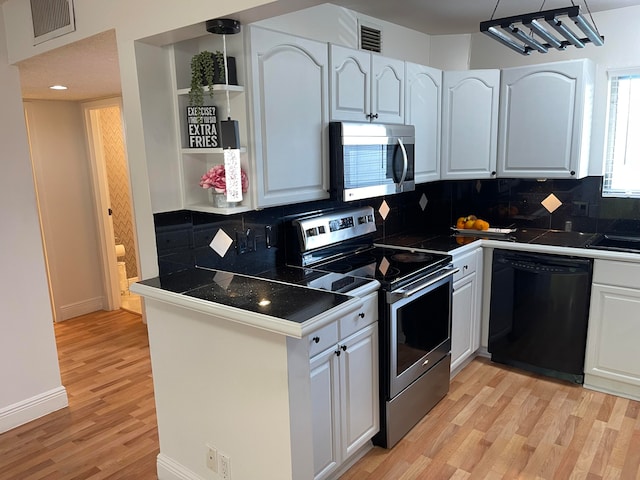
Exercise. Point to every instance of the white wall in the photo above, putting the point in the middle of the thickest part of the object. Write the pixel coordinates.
(30, 383)
(62, 173)
(450, 52)
(621, 49)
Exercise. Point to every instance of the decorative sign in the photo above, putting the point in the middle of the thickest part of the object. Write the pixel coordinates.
(202, 127)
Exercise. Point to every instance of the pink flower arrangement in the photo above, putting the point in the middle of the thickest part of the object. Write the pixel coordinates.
(215, 178)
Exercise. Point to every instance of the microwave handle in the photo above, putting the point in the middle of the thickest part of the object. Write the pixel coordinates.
(405, 166)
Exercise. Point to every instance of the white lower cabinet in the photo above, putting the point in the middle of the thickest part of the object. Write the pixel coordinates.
(466, 314)
(344, 388)
(611, 362)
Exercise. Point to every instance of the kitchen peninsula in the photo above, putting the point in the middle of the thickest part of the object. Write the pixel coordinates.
(230, 356)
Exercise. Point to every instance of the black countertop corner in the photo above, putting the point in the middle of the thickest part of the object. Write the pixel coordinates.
(273, 298)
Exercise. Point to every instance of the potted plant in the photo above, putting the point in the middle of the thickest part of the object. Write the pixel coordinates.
(207, 69)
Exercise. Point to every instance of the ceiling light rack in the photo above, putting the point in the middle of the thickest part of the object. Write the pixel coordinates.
(554, 33)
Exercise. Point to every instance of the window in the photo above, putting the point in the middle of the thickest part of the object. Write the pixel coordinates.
(622, 162)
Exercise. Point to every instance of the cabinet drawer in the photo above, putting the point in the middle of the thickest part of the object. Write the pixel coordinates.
(622, 274)
(323, 338)
(466, 264)
(362, 317)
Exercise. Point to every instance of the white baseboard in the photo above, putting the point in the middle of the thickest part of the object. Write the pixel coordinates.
(32, 408)
(81, 308)
(169, 469)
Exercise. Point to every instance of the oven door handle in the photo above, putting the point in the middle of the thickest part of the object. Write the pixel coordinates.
(451, 270)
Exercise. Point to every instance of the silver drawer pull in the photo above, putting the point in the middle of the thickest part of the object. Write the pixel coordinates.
(425, 362)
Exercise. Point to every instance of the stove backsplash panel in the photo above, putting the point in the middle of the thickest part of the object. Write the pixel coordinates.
(183, 237)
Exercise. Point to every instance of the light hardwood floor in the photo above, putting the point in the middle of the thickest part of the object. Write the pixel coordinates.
(496, 423)
(109, 429)
(501, 423)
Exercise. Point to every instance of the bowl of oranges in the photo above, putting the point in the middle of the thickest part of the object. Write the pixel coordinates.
(471, 222)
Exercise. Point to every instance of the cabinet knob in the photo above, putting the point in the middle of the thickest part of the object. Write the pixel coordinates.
(465, 267)
(316, 339)
(493, 174)
(361, 314)
(341, 348)
(573, 172)
(374, 116)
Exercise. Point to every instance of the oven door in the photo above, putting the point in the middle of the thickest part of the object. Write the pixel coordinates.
(419, 317)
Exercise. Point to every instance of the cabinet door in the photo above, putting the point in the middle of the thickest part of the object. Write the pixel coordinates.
(463, 325)
(613, 335)
(325, 416)
(387, 89)
(422, 110)
(469, 124)
(545, 120)
(290, 112)
(359, 389)
(350, 84)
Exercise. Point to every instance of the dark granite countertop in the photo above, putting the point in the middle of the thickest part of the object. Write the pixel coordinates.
(448, 243)
(258, 295)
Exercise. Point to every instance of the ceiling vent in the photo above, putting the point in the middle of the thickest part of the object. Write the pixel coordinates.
(370, 38)
(51, 18)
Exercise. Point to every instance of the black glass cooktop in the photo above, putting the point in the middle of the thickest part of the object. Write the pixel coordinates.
(390, 266)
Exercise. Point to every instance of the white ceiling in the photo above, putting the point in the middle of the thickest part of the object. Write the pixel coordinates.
(90, 67)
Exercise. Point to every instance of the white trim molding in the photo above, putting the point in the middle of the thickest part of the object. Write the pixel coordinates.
(169, 469)
(32, 408)
(81, 308)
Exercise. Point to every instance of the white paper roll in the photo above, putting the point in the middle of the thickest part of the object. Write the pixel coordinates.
(233, 175)
(120, 250)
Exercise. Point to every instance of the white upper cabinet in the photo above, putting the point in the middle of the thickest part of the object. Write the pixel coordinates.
(289, 111)
(366, 87)
(470, 124)
(545, 120)
(423, 110)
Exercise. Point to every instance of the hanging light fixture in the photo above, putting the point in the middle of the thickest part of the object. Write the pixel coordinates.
(553, 33)
(229, 136)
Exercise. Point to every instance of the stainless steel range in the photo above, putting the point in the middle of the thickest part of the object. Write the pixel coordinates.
(414, 310)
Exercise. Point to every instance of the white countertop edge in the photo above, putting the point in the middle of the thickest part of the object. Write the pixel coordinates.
(245, 317)
(553, 249)
(594, 253)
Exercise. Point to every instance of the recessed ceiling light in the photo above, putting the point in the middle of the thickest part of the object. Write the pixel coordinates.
(58, 87)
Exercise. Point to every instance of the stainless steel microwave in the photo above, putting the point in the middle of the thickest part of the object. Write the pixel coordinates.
(371, 159)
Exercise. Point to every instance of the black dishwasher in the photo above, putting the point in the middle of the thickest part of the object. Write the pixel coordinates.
(539, 312)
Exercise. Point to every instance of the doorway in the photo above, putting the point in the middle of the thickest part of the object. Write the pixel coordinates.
(103, 121)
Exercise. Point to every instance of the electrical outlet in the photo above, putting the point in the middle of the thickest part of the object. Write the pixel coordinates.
(246, 241)
(580, 209)
(212, 458)
(225, 466)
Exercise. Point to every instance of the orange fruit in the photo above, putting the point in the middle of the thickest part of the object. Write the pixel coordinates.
(469, 223)
(481, 225)
(460, 223)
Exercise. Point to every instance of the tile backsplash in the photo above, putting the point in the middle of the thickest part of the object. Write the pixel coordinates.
(184, 237)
